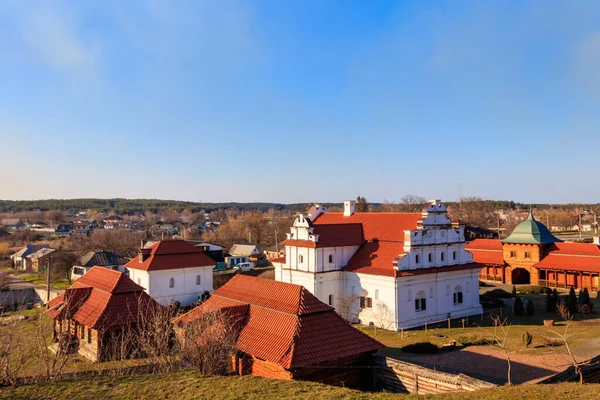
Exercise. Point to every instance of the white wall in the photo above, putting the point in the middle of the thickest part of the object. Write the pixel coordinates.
(185, 290)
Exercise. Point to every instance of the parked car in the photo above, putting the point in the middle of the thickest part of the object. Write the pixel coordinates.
(245, 266)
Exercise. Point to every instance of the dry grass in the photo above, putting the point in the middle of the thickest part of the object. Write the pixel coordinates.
(192, 385)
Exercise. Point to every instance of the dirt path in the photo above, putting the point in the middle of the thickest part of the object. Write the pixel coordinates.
(490, 364)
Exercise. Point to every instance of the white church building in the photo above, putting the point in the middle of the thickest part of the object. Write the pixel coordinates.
(394, 270)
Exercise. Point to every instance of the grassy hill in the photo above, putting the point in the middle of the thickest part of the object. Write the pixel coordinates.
(192, 385)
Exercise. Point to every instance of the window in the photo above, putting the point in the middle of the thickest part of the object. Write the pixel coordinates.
(198, 280)
(139, 281)
(458, 295)
(416, 259)
(527, 254)
(454, 255)
(429, 257)
(513, 254)
(331, 259)
(542, 274)
(442, 255)
(420, 302)
(89, 335)
(331, 300)
(171, 282)
(366, 302)
(301, 258)
(376, 294)
(83, 332)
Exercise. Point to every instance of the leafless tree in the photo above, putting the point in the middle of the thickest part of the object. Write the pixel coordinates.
(384, 317)
(348, 306)
(500, 338)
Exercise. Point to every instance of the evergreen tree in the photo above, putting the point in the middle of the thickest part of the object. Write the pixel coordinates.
(572, 302)
(518, 307)
(514, 291)
(550, 302)
(361, 204)
(587, 299)
(581, 298)
(529, 308)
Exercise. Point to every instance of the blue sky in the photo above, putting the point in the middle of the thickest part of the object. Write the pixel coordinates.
(289, 101)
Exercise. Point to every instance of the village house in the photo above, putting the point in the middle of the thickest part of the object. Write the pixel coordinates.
(393, 270)
(39, 260)
(284, 332)
(12, 224)
(18, 258)
(106, 259)
(173, 270)
(533, 255)
(241, 253)
(96, 308)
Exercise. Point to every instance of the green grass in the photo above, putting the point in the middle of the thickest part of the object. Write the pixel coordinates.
(192, 385)
(582, 329)
(40, 279)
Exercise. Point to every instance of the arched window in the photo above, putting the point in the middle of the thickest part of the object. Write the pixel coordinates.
(458, 295)
(454, 255)
(420, 302)
(171, 282)
(442, 255)
(331, 300)
(429, 257)
(301, 258)
(331, 259)
(417, 258)
(376, 294)
(198, 280)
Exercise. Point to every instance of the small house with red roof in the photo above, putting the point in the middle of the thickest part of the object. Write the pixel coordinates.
(531, 254)
(393, 270)
(283, 331)
(96, 307)
(173, 270)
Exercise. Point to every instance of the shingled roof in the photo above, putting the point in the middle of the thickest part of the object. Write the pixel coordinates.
(102, 258)
(102, 299)
(170, 254)
(284, 323)
(486, 251)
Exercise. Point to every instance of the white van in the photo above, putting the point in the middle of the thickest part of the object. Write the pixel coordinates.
(245, 266)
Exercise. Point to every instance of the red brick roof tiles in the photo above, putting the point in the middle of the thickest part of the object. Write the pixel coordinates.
(171, 254)
(102, 299)
(375, 258)
(486, 251)
(584, 257)
(278, 260)
(286, 324)
(382, 226)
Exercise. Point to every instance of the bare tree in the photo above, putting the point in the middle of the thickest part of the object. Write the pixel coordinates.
(500, 338)
(348, 306)
(383, 316)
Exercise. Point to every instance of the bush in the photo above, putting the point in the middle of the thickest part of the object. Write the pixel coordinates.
(527, 339)
(490, 302)
(529, 308)
(532, 289)
(518, 307)
(421, 348)
(550, 302)
(472, 340)
(572, 301)
(498, 293)
(514, 291)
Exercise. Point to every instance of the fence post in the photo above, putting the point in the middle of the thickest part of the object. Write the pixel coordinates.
(448, 323)
(401, 333)
(425, 327)
(463, 323)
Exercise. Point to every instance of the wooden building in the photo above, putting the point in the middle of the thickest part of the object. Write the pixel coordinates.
(96, 307)
(285, 332)
(532, 255)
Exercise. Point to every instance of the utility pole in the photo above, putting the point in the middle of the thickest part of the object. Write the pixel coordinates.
(276, 243)
(48, 279)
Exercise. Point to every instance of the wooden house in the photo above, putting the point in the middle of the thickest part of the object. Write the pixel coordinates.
(96, 308)
(285, 332)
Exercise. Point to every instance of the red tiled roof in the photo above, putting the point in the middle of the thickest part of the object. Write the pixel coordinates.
(486, 251)
(102, 299)
(332, 235)
(300, 243)
(293, 299)
(171, 254)
(435, 270)
(584, 257)
(278, 260)
(382, 226)
(375, 258)
(285, 324)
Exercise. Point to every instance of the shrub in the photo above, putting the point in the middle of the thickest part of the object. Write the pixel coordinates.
(421, 348)
(584, 309)
(498, 293)
(473, 340)
(518, 307)
(572, 301)
(532, 289)
(529, 308)
(550, 302)
(527, 338)
(514, 291)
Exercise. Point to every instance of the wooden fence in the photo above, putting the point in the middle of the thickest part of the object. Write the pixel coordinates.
(590, 371)
(402, 377)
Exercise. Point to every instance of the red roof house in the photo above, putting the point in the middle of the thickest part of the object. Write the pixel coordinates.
(96, 305)
(173, 270)
(285, 332)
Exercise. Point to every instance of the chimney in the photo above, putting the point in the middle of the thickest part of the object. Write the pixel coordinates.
(349, 207)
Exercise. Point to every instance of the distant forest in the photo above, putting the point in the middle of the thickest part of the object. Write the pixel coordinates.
(136, 206)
